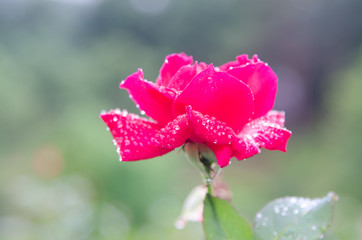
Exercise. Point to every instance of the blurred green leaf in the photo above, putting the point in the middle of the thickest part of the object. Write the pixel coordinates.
(221, 221)
(295, 218)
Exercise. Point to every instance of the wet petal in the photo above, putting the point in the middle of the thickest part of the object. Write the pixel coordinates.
(240, 61)
(133, 136)
(172, 64)
(219, 95)
(174, 134)
(156, 103)
(209, 129)
(223, 153)
(263, 83)
(245, 147)
(266, 132)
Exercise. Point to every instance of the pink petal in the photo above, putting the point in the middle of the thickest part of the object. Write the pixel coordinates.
(156, 103)
(182, 77)
(174, 134)
(133, 136)
(229, 65)
(245, 148)
(240, 61)
(172, 64)
(263, 83)
(266, 132)
(209, 129)
(219, 95)
(223, 153)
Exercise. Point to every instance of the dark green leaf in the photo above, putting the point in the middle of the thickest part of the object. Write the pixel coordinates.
(293, 218)
(222, 222)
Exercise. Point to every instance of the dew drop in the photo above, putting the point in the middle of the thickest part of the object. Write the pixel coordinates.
(295, 211)
(107, 128)
(142, 112)
(115, 119)
(276, 209)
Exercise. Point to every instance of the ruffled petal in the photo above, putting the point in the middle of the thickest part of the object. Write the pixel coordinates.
(240, 61)
(263, 83)
(266, 132)
(156, 103)
(133, 136)
(223, 153)
(219, 95)
(172, 64)
(174, 134)
(209, 129)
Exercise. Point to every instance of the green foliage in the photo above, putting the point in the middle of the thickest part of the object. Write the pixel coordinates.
(292, 218)
(222, 222)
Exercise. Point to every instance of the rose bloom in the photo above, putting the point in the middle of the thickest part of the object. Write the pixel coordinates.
(227, 108)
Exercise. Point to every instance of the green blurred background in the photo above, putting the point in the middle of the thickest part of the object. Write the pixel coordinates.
(61, 62)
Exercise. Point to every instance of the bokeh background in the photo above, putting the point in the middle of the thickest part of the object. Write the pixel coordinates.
(61, 62)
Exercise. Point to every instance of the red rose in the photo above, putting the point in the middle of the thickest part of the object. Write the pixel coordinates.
(227, 108)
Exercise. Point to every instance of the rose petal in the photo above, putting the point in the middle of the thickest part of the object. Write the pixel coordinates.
(245, 148)
(172, 64)
(209, 129)
(275, 117)
(182, 77)
(240, 61)
(266, 132)
(156, 103)
(263, 83)
(223, 153)
(219, 95)
(174, 134)
(133, 136)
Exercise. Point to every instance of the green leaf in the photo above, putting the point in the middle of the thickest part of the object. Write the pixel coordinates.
(293, 218)
(222, 222)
